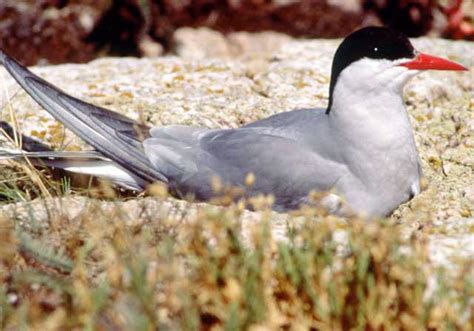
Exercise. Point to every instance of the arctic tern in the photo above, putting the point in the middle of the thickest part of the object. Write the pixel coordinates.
(360, 148)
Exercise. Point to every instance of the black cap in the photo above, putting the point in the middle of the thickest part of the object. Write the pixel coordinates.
(370, 42)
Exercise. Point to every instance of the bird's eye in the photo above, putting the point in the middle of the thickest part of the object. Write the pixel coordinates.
(376, 49)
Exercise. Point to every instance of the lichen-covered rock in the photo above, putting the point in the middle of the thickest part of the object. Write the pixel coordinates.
(221, 92)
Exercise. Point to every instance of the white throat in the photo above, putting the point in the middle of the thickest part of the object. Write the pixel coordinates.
(375, 140)
(368, 103)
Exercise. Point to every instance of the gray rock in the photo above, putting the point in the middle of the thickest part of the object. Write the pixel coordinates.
(217, 90)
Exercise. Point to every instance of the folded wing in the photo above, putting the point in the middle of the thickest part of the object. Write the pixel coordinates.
(282, 167)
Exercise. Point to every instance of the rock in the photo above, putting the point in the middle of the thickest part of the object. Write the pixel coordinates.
(81, 30)
(255, 50)
(32, 31)
(304, 18)
(213, 90)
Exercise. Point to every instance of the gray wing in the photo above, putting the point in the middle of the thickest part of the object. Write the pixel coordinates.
(115, 136)
(283, 167)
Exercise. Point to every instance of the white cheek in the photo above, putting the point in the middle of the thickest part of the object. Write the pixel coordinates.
(399, 76)
(369, 75)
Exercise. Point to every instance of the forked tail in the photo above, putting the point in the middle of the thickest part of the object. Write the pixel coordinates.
(115, 136)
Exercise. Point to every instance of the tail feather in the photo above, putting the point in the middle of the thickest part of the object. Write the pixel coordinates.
(87, 163)
(28, 144)
(115, 136)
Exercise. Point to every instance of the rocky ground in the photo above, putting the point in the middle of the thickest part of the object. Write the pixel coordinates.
(77, 31)
(218, 81)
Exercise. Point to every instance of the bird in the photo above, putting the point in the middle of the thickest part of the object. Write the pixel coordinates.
(359, 150)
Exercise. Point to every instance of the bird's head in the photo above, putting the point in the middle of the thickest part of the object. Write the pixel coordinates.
(376, 60)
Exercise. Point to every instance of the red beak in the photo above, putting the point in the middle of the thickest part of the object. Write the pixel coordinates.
(425, 62)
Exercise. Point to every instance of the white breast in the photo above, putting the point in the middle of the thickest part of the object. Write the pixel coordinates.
(375, 138)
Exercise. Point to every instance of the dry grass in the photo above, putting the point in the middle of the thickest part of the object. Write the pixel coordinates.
(104, 270)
